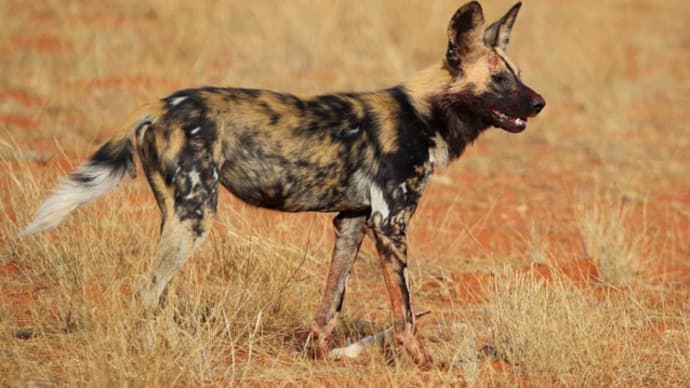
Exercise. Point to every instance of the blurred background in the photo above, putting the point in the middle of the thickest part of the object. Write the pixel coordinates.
(615, 76)
(613, 73)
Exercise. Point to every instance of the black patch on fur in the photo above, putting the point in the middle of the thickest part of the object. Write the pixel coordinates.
(455, 117)
(327, 116)
(452, 59)
(116, 156)
(462, 27)
(414, 140)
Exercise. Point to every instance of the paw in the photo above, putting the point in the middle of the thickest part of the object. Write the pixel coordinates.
(423, 359)
(319, 343)
(415, 349)
(317, 349)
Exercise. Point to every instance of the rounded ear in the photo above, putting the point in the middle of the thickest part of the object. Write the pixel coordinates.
(498, 34)
(464, 30)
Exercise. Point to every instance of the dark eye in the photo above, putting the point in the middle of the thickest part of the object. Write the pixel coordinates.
(499, 78)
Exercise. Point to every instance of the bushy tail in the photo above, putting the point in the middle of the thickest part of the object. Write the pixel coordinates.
(101, 173)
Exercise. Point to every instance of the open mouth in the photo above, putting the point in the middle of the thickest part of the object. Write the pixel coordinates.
(512, 124)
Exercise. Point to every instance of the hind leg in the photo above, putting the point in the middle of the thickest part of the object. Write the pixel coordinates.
(178, 241)
(188, 204)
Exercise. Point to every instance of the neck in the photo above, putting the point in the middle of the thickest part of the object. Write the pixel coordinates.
(455, 126)
(425, 85)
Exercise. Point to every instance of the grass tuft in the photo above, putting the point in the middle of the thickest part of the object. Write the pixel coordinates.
(609, 240)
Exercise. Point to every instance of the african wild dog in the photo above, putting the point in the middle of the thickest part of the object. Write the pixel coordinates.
(367, 156)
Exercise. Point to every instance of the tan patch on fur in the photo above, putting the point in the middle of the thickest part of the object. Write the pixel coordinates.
(215, 103)
(171, 148)
(310, 149)
(427, 83)
(358, 108)
(476, 73)
(167, 196)
(149, 112)
(243, 112)
(386, 110)
(288, 114)
(500, 53)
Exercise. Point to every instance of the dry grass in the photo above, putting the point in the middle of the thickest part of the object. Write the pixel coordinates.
(608, 241)
(492, 246)
(556, 331)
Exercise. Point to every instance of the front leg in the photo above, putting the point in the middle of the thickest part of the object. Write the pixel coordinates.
(391, 244)
(349, 233)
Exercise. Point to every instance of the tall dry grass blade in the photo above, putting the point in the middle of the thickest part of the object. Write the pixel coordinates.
(608, 240)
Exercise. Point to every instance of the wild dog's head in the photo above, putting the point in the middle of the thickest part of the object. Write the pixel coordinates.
(486, 89)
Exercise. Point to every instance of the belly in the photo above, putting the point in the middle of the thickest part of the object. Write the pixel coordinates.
(293, 185)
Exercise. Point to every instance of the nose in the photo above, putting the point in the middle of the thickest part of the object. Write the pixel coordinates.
(538, 104)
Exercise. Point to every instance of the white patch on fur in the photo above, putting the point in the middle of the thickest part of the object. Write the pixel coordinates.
(195, 131)
(141, 132)
(369, 193)
(406, 283)
(71, 194)
(403, 188)
(378, 203)
(194, 178)
(361, 184)
(177, 100)
(438, 154)
(355, 349)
